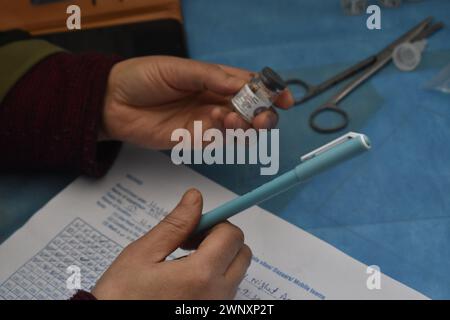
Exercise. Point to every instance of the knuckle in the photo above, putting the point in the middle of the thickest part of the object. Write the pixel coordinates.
(236, 232)
(215, 70)
(210, 70)
(175, 224)
(230, 231)
(247, 252)
(204, 277)
(211, 67)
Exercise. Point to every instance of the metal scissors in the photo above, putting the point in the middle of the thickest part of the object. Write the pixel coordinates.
(369, 65)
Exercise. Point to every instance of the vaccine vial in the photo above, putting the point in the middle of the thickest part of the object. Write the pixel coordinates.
(259, 94)
(354, 7)
(407, 55)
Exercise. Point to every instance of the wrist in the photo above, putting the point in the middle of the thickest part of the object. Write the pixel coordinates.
(103, 131)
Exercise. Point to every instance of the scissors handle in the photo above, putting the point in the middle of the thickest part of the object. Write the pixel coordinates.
(314, 90)
(331, 108)
(309, 90)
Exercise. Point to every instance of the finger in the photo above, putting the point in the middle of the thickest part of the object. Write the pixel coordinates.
(218, 116)
(237, 72)
(198, 76)
(175, 228)
(193, 243)
(234, 121)
(285, 100)
(220, 246)
(266, 120)
(237, 269)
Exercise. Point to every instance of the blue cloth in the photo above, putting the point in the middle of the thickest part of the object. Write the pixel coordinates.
(22, 194)
(390, 207)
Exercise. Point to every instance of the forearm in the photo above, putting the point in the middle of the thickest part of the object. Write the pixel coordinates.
(50, 119)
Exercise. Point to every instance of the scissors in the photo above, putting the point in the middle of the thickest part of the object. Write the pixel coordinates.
(369, 65)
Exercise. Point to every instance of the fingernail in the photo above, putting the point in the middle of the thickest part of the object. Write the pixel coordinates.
(192, 196)
(273, 122)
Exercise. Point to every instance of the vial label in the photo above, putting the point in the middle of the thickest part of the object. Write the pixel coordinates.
(249, 104)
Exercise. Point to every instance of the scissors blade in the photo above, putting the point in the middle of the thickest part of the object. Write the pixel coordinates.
(382, 58)
(345, 74)
(429, 31)
(314, 90)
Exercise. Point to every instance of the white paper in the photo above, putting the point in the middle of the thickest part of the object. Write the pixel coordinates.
(90, 222)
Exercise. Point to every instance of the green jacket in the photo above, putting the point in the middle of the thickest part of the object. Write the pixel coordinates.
(17, 57)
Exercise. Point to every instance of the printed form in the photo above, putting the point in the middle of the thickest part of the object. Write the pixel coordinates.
(91, 221)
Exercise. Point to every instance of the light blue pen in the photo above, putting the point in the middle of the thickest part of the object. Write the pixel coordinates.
(321, 159)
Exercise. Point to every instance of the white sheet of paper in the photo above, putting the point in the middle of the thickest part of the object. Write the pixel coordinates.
(90, 222)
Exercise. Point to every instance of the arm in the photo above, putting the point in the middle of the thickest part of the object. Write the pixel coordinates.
(54, 116)
(67, 112)
(51, 109)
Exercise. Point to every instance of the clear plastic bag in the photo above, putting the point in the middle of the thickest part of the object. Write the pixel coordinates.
(441, 82)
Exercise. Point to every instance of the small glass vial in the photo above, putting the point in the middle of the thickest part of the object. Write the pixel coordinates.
(259, 94)
(407, 56)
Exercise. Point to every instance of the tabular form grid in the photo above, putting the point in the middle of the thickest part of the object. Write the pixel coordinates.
(44, 276)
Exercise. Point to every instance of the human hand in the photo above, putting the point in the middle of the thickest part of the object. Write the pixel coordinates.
(147, 98)
(213, 271)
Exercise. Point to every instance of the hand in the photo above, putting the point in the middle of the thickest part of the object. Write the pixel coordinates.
(147, 98)
(213, 271)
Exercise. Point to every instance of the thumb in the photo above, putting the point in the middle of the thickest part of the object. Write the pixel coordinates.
(195, 76)
(175, 228)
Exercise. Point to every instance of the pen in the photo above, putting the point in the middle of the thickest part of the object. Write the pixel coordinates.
(312, 163)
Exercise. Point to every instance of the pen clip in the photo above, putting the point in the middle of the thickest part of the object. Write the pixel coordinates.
(330, 145)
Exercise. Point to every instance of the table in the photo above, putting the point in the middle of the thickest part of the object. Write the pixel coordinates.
(391, 207)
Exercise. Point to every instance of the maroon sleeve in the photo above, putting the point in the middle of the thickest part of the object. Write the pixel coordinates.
(83, 295)
(50, 119)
